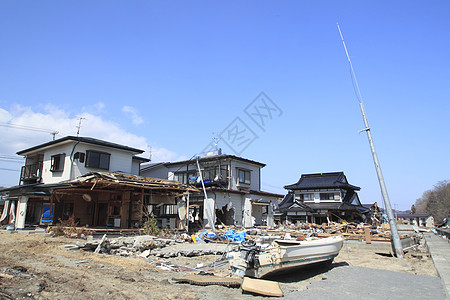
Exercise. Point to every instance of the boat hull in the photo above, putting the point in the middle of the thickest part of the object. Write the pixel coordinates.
(287, 256)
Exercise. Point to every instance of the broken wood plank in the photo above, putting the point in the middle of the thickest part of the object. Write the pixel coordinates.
(209, 280)
(367, 236)
(262, 287)
(97, 250)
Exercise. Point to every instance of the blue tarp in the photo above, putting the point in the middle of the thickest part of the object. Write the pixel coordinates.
(234, 236)
(47, 215)
(230, 235)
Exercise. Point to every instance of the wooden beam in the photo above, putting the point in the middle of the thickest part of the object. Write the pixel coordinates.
(367, 236)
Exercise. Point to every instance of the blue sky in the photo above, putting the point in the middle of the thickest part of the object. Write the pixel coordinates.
(169, 74)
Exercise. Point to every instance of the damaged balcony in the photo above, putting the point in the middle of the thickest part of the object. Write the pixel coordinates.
(31, 173)
(211, 177)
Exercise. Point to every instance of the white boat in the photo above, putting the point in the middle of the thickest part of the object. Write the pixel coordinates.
(283, 256)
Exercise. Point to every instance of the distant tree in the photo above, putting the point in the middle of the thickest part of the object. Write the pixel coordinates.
(436, 201)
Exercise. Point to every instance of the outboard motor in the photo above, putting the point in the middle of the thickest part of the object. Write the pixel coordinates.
(249, 250)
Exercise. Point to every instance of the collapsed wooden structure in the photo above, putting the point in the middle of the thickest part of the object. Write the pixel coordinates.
(103, 199)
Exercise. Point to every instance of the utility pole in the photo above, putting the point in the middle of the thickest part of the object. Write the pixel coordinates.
(395, 237)
(209, 213)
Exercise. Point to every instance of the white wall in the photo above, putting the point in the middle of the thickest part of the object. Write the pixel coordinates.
(230, 199)
(54, 177)
(254, 175)
(120, 161)
(21, 212)
(135, 166)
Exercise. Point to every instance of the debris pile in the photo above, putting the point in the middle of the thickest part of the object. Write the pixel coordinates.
(143, 245)
(157, 246)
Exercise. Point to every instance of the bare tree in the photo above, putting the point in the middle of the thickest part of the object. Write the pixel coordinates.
(436, 201)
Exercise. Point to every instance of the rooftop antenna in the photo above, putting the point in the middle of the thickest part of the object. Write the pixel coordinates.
(149, 149)
(79, 125)
(387, 203)
(54, 133)
(216, 139)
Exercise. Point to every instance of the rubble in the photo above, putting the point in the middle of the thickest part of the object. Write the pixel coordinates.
(164, 246)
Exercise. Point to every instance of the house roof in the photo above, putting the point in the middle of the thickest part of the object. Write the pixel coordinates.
(287, 201)
(289, 204)
(152, 166)
(94, 181)
(81, 139)
(337, 206)
(141, 159)
(322, 180)
(213, 158)
(409, 215)
(115, 181)
(242, 192)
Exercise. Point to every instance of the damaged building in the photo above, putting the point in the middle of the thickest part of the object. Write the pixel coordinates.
(321, 198)
(95, 181)
(232, 186)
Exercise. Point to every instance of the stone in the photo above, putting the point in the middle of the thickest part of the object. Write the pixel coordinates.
(70, 247)
(145, 254)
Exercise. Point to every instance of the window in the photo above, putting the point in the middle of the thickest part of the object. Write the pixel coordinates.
(98, 160)
(307, 197)
(180, 177)
(244, 176)
(170, 209)
(183, 177)
(80, 156)
(210, 173)
(326, 196)
(57, 163)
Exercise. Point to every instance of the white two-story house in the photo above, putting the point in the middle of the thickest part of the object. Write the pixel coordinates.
(95, 181)
(71, 156)
(232, 186)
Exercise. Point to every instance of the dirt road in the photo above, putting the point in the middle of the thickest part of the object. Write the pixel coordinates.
(34, 266)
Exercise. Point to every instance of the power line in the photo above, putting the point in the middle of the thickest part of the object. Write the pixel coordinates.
(13, 170)
(11, 158)
(24, 127)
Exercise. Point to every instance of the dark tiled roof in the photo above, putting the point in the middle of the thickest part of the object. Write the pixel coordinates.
(81, 139)
(142, 159)
(337, 206)
(289, 204)
(322, 180)
(151, 166)
(408, 215)
(287, 201)
(263, 193)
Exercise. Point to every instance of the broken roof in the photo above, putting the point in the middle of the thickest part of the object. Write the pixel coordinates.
(322, 180)
(118, 181)
(86, 140)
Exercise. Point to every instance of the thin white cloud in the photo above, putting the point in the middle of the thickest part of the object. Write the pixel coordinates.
(131, 111)
(5, 116)
(53, 119)
(94, 108)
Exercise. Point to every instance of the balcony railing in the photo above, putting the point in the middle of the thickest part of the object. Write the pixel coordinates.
(31, 173)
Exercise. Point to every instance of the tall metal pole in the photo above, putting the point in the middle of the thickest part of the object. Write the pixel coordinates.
(206, 202)
(395, 237)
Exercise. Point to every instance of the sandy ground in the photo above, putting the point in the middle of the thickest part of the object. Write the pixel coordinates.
(34, 266)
